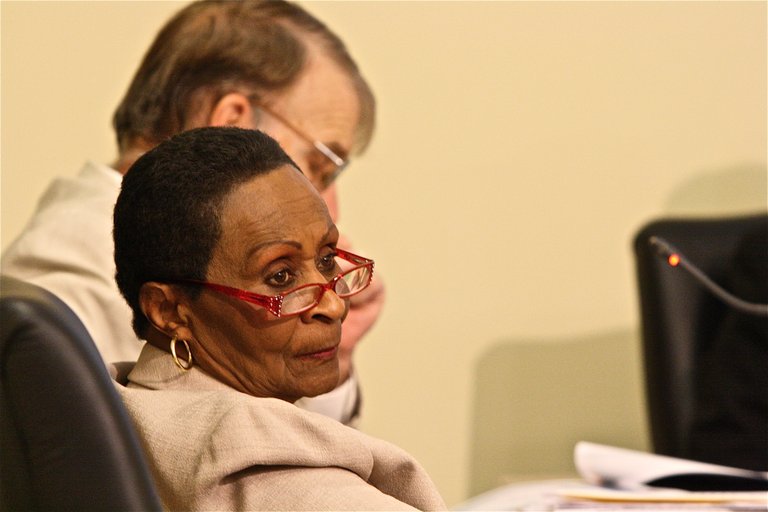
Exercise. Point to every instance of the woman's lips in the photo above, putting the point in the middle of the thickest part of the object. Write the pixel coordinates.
(322, 354)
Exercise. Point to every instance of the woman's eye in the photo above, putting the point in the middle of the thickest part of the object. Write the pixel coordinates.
(328, 262)
(281, 279)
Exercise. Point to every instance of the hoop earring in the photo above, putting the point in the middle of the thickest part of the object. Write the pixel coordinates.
(176, 359)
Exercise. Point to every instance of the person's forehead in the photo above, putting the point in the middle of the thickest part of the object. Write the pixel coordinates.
(323, 101)
(282, 200)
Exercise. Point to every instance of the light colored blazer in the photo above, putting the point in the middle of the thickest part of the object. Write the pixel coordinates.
(67, 249)
(213, 448)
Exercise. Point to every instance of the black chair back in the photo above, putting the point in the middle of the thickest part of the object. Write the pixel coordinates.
(679, 316)
(66, 440)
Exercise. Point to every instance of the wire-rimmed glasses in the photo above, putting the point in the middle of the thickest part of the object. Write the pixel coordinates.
(332, 164)
(303, 298)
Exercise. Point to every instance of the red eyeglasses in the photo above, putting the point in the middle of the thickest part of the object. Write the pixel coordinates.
(305, 297)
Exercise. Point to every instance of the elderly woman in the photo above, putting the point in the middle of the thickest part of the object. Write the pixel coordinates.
(227, 256)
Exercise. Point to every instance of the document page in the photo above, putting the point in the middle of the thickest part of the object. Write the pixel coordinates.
(620, 468)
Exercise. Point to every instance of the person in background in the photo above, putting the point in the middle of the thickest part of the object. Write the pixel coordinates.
(228, 258)
(264, 64)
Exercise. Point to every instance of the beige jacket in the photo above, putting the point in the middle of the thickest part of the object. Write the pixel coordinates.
(213, 448)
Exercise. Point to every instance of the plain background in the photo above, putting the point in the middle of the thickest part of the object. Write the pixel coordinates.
(519, 147)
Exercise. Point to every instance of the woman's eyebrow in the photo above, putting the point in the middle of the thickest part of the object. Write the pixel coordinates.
(260, 247)
(293, 243)
(332, 229)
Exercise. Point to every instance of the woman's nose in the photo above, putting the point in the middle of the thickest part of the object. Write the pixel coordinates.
(330, 308)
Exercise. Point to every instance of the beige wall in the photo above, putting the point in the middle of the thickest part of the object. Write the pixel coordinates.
(519, 146)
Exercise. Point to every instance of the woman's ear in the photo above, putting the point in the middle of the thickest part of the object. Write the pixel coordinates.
(161, 304)
(233, 109)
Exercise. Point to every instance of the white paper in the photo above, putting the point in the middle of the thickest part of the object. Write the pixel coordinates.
(621, 468)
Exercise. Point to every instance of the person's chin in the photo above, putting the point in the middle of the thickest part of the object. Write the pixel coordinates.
(321, 379)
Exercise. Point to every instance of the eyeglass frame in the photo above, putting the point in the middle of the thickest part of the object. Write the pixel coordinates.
(274, 303)
(327, 152)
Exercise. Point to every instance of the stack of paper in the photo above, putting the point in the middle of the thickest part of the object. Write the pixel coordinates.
(621, 479)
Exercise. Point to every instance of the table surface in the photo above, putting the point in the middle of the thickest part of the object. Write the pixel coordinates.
(574, 494)
(537, 495)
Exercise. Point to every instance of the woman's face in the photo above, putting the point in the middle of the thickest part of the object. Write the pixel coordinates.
(276, 234)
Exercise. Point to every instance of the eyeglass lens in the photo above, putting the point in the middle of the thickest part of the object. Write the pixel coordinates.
(350, 283)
